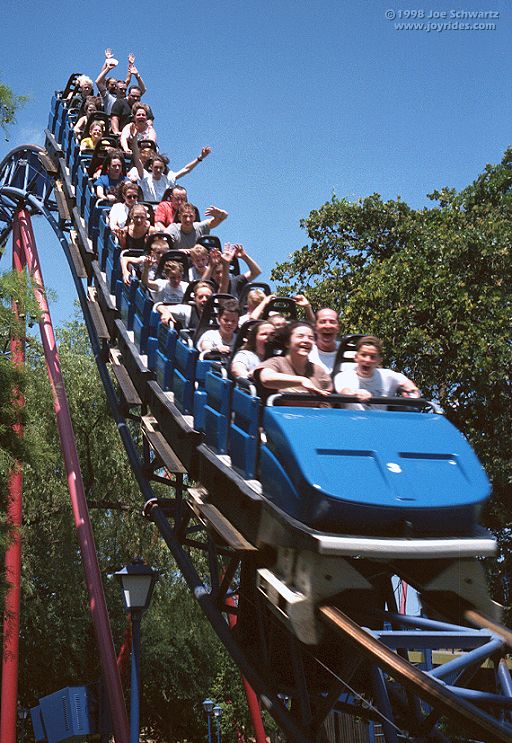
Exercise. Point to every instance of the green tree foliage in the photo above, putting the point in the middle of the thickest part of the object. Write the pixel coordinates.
(9, 104)
(436, 285)
(13, 287)
(181, 656)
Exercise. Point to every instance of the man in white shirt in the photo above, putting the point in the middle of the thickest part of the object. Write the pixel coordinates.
(367, 380)
(327, 327)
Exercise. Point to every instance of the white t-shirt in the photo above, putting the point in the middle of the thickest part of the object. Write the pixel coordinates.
(118, 215)
(248, 359)
(214, 337)
(133, 174)
(154, 190)
(168, 293)
(382, 383)
(325, 359)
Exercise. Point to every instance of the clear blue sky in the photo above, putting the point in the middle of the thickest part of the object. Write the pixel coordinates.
(298, 100)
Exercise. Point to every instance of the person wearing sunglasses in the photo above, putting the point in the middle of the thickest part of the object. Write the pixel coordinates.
(129, 195)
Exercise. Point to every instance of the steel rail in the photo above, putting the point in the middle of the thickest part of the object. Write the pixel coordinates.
(434, 692)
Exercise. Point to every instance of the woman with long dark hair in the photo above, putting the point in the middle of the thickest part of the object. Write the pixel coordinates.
(294, 372)
(252, 352)
(113, 173)
(133, 235)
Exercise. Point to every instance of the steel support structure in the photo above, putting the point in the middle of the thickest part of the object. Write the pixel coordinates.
(97, 605)
(11, 618)
(366, 662)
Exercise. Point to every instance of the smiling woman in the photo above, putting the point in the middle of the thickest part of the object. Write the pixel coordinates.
(294, 372)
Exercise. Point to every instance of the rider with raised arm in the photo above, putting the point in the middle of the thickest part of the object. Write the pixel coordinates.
(218, 269)
(368, 380)
(155, 183)
(109, 88)
(186, 234)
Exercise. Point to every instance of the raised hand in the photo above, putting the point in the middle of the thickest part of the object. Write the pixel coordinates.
(239, 250)
(229, 252)
(301, 300)
(215, 256)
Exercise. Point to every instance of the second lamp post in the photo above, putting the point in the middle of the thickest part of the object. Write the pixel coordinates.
(137, 582)
(217, 713)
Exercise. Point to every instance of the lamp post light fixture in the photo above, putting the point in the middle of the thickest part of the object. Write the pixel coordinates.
(22, 717)
(285, 699)
(208, 707)
(137, 583)
(217, 713)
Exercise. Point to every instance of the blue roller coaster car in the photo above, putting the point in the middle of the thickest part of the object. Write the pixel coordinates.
(396, 473)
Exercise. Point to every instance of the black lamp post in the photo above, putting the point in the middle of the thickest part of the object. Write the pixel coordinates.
(137, 582)
(217, 713)
(208, 706)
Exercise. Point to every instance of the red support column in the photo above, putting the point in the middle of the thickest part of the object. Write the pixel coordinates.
(11, 618)
(94, 584)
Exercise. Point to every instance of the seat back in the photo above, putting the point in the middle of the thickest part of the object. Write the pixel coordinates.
(283, 306)
(346, 352)
(78, 159)
(173, 255)
(217, 409)
(81, 180)
(244, 432)
(183, 375)
(210, 242)
(69, 141)
(242, 335)
(57, 113)
(203, 366)
(97, 116)
(162, 351)
(97, 219)
(242, 300)
(141, 317)
(105, 144)
(113, 266)
(125, 301)
(107, 244)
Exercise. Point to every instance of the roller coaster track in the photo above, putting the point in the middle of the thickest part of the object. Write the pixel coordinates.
(370, 661)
